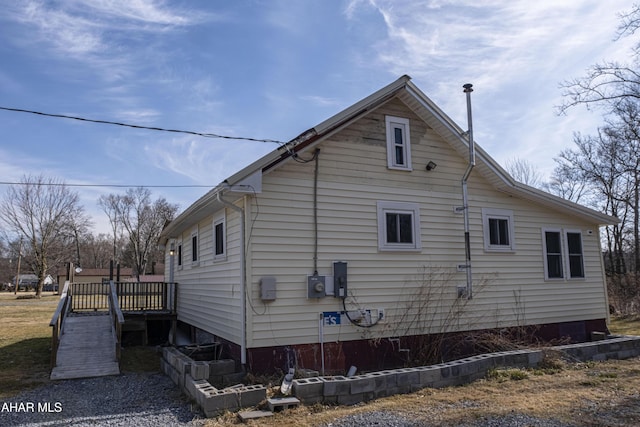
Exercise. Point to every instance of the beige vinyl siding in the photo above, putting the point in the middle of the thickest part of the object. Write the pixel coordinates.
(209, 294)
(353, 176)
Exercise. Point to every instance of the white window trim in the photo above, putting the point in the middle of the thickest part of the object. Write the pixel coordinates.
(391, 163)
(194, 233)
(179, 254)
(544, 254)
(566, 250)
(220, 218)
(489, 213)
(404, 208)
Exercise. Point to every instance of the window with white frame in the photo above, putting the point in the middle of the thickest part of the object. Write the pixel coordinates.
(497, 225)
(398, 143)
(194, 246)
(398, 226)
(564, 256)
(552, 247)
(180, 254)
(219, 237)
(575, 259)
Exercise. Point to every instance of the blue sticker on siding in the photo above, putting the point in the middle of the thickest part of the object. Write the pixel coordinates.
(331, 318)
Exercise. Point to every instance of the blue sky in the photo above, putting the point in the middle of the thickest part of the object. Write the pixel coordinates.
(272, 69)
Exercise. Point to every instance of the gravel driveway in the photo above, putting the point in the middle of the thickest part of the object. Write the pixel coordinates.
(124, 400)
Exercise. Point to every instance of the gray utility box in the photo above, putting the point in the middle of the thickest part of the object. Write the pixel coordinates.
(268, 288)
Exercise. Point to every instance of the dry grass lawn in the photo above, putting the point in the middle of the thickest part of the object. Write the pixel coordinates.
(589, 394)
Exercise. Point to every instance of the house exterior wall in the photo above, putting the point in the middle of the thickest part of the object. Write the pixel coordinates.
(209, 290)
(417, 290)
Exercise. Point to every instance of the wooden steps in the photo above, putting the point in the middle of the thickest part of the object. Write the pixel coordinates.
(87, 348)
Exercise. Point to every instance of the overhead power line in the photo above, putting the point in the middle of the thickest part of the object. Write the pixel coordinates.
(129, 125)
(63, 184)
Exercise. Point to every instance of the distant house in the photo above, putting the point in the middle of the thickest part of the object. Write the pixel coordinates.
(30, 280)
(344, 245)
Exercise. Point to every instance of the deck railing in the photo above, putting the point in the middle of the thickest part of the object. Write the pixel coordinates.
(57, 321)
(132, 296)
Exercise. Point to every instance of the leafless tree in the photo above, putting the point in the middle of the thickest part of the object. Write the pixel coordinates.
(142, 220)
(566, 182)
(97, 250)
(608, 83)
(48, 216)
(523, 171)
(109, 204)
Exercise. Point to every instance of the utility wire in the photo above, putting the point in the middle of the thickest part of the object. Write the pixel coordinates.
(62, 184)
(107, 122)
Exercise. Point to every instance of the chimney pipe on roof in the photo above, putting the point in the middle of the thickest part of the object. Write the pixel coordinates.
(468, 88)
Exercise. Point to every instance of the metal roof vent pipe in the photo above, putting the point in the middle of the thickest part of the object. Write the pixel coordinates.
(468, 88)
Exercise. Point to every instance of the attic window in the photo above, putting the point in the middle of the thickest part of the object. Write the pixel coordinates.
(398, 143)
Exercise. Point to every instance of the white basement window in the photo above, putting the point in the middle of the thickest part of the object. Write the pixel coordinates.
(398, 226)
(497, 225)
(398, 143)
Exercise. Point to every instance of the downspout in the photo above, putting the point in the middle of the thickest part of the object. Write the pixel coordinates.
(465, 196)
(243, 278)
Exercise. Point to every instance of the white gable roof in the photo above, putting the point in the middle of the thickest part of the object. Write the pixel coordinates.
(422, 106)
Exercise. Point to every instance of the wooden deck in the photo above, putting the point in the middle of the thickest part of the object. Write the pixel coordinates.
(87, 347)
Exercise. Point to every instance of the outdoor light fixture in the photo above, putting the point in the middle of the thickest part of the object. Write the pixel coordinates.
(172, 250)
(431, 166)
(78, 269)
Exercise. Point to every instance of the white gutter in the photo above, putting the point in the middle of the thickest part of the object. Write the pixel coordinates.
(243, 278)
(465, 196)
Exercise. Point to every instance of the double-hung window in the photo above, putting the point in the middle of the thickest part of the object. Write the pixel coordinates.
(398, 226)
(498, 230)
(398, 143)
(574, 254)
(219, 237)
(563, 254)
(552, 245)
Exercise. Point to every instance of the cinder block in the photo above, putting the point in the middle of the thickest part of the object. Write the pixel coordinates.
(391, 377)
(336, 386)
(407, 376)
(222, 367)
(379, 381)
(627, 354)
(350, 399)
(171, 372)
(199, 370)
(535, 357)
(308, 390)
(191, 386)
(252, 395)
(362, 384)
(182, 364)
(445, 371)
(277, 404)
(216, 402)
(428, 375)
(202, 393)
